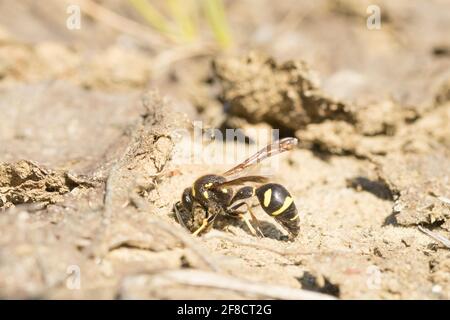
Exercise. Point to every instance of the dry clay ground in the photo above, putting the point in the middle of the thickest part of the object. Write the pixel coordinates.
(90, 167)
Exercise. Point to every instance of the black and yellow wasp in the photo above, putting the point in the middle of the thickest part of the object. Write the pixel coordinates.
(211, 195)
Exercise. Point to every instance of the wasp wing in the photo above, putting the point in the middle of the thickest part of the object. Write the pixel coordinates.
(241, 180)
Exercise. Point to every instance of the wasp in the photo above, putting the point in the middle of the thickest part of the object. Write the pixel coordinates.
(212, 195)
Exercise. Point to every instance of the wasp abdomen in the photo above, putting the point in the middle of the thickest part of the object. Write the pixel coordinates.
(278, 202)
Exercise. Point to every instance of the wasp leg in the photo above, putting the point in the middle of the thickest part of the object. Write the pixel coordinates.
(242, 216)
(254, 219)
(205, 223)
(242, 194)
(249, 225)
(201, 228)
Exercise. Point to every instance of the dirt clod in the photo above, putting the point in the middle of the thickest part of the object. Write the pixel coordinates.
(27, 182)
(285, 95)
(417, 182)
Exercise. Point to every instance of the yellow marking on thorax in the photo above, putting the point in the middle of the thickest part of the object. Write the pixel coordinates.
(193, 191)
(205, 194)
(267, 197)
(286, 204)
(225, 190)
(207, 185)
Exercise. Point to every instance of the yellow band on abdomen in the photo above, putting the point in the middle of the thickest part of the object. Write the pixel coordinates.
(287, 202)
(267, 197)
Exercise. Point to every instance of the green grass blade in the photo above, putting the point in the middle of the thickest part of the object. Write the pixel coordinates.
(151, 15)
(183, 12)
(215, 13)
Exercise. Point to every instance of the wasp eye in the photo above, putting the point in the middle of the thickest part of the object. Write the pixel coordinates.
(186, 199)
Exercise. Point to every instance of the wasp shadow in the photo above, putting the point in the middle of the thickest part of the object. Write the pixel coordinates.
(310, 282)
(377, 188)
(268, 229)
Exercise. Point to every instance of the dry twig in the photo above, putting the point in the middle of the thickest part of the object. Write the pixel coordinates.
(122, 24)
(199, 278)
(444, 199)
(435, 236)
(178, 233)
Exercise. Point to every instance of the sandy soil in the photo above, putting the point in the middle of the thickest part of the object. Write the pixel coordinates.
(90, 166)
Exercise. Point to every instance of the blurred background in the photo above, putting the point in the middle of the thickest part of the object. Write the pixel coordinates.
(135, 44)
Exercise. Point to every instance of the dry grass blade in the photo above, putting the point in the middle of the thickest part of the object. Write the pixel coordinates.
(444, 199)
(436, 237)
(166, 58)
(199, 278)
(122, 24)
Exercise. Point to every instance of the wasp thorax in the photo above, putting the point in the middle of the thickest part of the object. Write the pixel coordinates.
(204, 188)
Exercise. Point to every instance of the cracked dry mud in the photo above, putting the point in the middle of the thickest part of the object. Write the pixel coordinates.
(90, 165)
